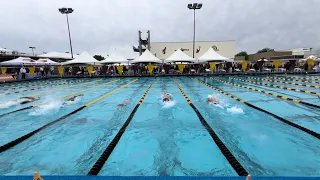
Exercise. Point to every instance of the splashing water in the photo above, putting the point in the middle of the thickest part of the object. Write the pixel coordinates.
(76, 100)
(11, 103)
(168, 104)
(235, 110)
(48, 106)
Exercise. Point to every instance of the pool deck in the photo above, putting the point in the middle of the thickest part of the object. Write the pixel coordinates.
(163, 75)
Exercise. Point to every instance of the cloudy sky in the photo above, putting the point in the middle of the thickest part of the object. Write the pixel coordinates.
(108, 25)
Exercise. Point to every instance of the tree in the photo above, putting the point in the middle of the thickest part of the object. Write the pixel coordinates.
(243, 53)
(265, 50)
(99, 57)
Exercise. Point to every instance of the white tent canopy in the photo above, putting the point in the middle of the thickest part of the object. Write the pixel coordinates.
(146, 57)
(83, 58)
(58, 55)
(212, 55)
(20, 61)
(265, 60)
(310, 57)
(46, 61)
(5, 50)
(179, 56)
(115, 58)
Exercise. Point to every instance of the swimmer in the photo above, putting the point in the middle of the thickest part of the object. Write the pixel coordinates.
(124, 103)
(166, 97)
(28, 99)
(212, 100)
(72, 99)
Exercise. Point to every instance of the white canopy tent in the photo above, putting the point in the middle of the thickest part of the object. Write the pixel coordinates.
(115, 59)
(20, 61)
(5, 50)
(83, 58)
(179, 56)
(146, 57)
(46, 61)
(310, 57)
(58, 55)
(212, 55)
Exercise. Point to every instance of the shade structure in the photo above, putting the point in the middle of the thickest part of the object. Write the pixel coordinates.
(20, 61)
(265, 60)
(58, 55)
(179, 56)
(310, 57)
(115, 58)
(212, 55)
(146, 57)
(46, 61)
(83, 58)
(5, 50)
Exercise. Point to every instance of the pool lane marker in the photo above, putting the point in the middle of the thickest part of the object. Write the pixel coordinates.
(316, 79)
(107, 152)
(64, 96)
(292, 79)
(59, 89)
(280, 87)
(223, 148)
(28, 84)
(268, 93)
(40, 87)
(26, 136)
(305, 85)
(312, 133)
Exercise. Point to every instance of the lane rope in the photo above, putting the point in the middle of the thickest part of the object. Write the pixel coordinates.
(307, 78)
(107, 152)
(28, 84)
(276, 86)
(312, 133)
(59, 89)
(64, 96)
(292, 79)
(41, 87)
(268, 93)
(305, 85)
(26, 136)
(223, 148)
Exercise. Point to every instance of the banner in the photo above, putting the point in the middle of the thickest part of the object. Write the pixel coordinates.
(310, 63)
(120, 69)
(181, 67)
(212, 66)
(3, 70)
(244, 66)
(90, 69)
(31, 70)
(150, 68)
(60, 69)
(276, 64)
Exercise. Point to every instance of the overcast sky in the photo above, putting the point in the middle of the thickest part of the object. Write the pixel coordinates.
(105, 25)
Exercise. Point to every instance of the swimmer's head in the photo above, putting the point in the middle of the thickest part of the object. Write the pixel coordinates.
(210, 96)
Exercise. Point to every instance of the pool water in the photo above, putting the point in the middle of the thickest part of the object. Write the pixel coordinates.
(163, 139)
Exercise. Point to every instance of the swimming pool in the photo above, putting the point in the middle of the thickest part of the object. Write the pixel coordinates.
(169, 139)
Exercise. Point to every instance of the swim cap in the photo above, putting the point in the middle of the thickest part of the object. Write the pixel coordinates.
(210, 96)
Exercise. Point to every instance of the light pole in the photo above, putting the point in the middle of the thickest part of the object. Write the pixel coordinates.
(67, 11)
(194, 6)
(32, 49)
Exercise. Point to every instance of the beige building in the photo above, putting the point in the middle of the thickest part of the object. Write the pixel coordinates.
(163, 50)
